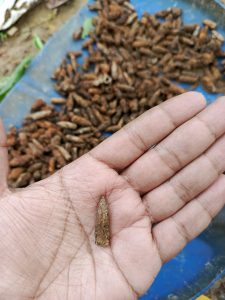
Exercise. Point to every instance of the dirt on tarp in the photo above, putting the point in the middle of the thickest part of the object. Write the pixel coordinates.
(218, 291)
(39, 21)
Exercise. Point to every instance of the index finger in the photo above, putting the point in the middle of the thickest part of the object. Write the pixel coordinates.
(128, 144)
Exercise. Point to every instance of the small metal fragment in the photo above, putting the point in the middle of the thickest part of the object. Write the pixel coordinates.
(58, 101)
(211, 24)
(64, 152)
(188, 79)
(196, 31)
(81, 121)
(80, 100)
(67, 125)
(22, 180)
(77, 35)
(73, 138)
(102, 227)
(102, 79)
(39, 115)
(217, 35)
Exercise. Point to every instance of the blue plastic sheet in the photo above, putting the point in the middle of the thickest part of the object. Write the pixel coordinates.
(202, 262)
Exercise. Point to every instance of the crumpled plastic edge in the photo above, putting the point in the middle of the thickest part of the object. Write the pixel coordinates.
(12, 10)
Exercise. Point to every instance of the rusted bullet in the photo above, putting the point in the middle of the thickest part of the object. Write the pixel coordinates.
(58, 101)
(80, 120)
(67, 125)
(39, 115)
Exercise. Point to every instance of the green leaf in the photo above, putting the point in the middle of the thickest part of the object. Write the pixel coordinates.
(87, 27)
(6, 83)
(37, 42)
(3, 36)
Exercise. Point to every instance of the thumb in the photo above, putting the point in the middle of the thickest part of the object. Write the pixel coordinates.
(3, 159)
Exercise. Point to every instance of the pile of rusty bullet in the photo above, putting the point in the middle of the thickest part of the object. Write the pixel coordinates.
(132, 65)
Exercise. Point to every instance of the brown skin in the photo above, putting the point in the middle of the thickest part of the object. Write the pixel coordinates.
(159, 198)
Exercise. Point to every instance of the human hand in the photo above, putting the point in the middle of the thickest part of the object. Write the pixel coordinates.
(162, 178)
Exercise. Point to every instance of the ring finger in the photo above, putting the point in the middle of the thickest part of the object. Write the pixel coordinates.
(172, 195)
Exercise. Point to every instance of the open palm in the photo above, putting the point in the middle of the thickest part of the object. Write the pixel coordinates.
(162, 178)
